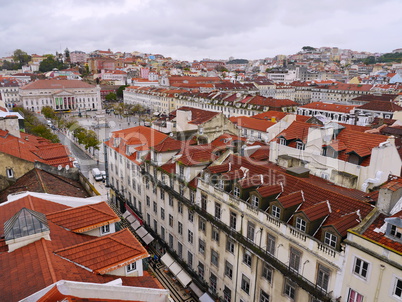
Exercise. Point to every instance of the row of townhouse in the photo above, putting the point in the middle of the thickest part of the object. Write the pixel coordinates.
(231, 104)
(246, 229)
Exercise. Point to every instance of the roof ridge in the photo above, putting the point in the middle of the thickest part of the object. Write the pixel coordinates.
(92, 206)
(41, 181)
(123, 243)
(49, 262)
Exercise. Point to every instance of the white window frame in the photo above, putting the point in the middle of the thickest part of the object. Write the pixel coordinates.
(131, 267)
(276, 211)
(330, 239)
(396, 287)
(359, 261)
(105, 229)
(301, 224)
(10, 172)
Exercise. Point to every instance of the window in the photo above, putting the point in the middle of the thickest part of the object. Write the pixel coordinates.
(163, 233)
(398, 288)
(354, 296)
(190, 259)
(323, 277)
(294, 259)
(215, 258)
(162, 213)
(181, 190)
(180, 228)
(105, 229)
(267, 272)
(330, 239)
(271, 244)
(204, 202)
(282, 141)
(236, 191)
(148, 219)
(155, 226)
(180, 250)
(228, 269)
(192, 196)
(245, 284)
(170, 220)
(264, 297)
(250, 230)
(201, 269)
(299, 145)
(290, 289)
(230, 245)
(201, 224)
(171, 241)
(148, 201)
(155, 207)
(10, 173)
(131, 267)
(180, 207)
(213, 281)
(255, 200)
(201, 246)
(227, 294)
(276, 212)
(395, 232)
(190, 216)
(233, 220)
(247, 258)
(361, 268)
(300, 224)
(215, 234)
(171, 200)
(190, 236)
(162, 194)
(217, 210)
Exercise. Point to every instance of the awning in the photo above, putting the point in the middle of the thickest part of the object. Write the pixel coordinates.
(206, 298)
(175, 268)
(135, 225)
(184, 278)
(130, 218)
(167, 259)
(148, 238)
(141, 231)
(196, 289)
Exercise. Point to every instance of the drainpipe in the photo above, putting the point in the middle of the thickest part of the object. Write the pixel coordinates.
(256, 269)
(377, 291)
(238, 255)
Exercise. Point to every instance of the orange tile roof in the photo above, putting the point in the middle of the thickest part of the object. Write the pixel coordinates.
(56, 84)
(317, 211)
(122, 249)
(252, 123)
(291, 199)
(329, 107)
(296, 130)
(197, 155)
(268, 115)
(84, 218)
(36, 266)
(171, 144)
(198, 116)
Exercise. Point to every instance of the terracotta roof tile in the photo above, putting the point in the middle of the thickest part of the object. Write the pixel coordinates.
(291, 199)
(316, 211)
(329, 107)
(84, 218)
(56, 84)
(251, 123)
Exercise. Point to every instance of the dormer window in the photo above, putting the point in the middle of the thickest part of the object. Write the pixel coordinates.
(300, 145)
(131, 267)
(301, 224)
(395, 232)
(10, 172)
(255, 200)
(276, 212)
(282, 141)
(330, 239)
(236, 191)
(105, 229)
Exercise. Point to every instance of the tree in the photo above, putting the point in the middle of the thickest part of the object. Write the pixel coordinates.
(67, 55)
(21, 57)
(111, 97)
(48, 112)
(91, 140)
(120, 90)
(50, 63)
(308, 48)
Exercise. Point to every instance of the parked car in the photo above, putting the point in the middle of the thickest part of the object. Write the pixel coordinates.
(97, 174)
(103, 173)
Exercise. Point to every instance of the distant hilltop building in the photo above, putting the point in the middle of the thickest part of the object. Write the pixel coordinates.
(397, 50)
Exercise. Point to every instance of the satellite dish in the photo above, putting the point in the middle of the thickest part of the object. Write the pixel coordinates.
(59, 167)
(67, 167)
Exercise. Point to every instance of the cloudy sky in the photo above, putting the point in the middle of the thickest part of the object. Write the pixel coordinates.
(187, 29)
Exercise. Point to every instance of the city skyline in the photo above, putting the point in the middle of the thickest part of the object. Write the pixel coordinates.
(205, 29)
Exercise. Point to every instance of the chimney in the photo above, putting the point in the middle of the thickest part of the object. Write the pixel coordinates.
(388, 197)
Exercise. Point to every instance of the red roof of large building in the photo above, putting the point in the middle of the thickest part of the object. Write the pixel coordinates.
(329, 107)
(56, 84)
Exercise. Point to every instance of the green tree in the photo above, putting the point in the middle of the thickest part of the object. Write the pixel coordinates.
(50, 63)
(120, 90)
(91, 140)
(48, 112)
(67, 55)
(308, 48)
(111, 97)
(21, 57)
(43, 131)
